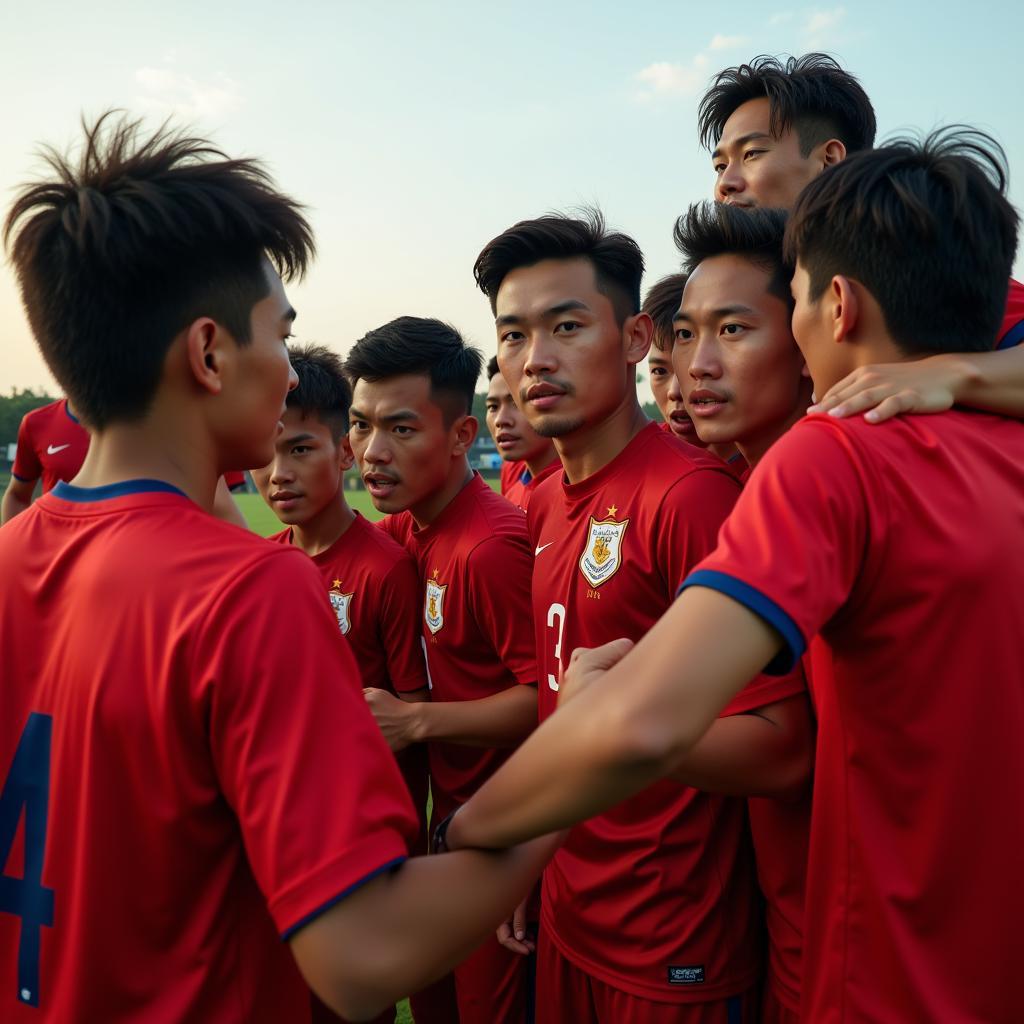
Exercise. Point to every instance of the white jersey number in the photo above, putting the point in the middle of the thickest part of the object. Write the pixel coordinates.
(556, 611)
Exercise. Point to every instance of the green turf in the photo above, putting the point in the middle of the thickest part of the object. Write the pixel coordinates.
(262, 521)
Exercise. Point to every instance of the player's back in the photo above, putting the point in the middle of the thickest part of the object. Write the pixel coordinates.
(128, 895)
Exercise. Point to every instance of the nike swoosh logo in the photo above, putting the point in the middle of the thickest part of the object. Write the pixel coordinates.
(53, 449)
(542, 547)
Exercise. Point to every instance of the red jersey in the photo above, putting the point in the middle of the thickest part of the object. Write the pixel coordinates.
(1012, 330)
(656, 896)
(374, 590)
(195, 782)
(475, 564)
(52, 444)
(522, 487)
(509, 474)
(901, 555)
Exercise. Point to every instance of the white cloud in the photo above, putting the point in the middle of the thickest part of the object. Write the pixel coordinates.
(666, 79)
(823, 28)
(169, 92)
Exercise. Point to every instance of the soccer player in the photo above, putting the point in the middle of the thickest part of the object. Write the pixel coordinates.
(529, 458)
(188, 773)
(748, 384)
(411, 430)
(52, 445)
(898, 556)
(661, 304)
(772, 127)
(648, 911)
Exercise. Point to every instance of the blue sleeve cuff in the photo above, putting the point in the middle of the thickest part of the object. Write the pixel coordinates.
(763, 607)
(1014, 336)
(22, 479)
(313, 914)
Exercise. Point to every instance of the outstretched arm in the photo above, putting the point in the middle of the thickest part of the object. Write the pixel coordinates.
(627, 728)
(17, 498)
(405, 929)
(990, 381)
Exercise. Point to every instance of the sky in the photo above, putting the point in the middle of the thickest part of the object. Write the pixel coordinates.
(415, 132)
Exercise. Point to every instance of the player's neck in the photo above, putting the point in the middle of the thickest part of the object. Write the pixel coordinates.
(325, 528)
(538, 465)
(429, 509)
(754, 449)
(593, 446)
(147, 450)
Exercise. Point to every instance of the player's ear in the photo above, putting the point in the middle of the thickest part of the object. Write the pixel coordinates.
(637, 334)
(464, 431)
(829, 153)
(842, 306)
(346, 458)
(205, 353)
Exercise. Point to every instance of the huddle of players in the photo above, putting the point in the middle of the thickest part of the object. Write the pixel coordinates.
(847, 540)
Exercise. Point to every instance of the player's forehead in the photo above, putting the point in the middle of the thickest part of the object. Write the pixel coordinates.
(748, 122)
(724, 284)
(549, 288)
(405, 395)
(274, 305)
(301, 425)
(497, 388)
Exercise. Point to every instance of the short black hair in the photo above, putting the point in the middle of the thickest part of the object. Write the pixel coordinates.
(617, 260)
(811, 94)
(420, 345)
(492, 368)
(661, 303)
(118, 251)
(925, 227)
(323, 389)
(717, 229)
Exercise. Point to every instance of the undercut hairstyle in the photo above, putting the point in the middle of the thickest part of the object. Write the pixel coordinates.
(617, 260)
(120, 248)
(661, 303)
(717, 229)
(811, 94)
(323, 389)
(925, 227)
(417, 345)
(492, 368)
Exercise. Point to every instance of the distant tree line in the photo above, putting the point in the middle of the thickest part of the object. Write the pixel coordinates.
(14, 406)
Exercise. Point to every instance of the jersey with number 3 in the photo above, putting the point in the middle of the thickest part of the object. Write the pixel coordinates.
(655, 897)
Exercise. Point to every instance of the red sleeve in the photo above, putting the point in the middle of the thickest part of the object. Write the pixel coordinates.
(1011, 332)
(389, 524)
(689, 518)
(318, 796)
(792, 549)
(27, 467)
(401, 600)
(500, 575)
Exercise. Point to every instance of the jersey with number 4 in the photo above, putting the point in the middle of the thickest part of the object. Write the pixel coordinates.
(188, 769)
(655, 897)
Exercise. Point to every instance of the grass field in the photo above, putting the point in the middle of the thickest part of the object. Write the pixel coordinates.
(262, 521)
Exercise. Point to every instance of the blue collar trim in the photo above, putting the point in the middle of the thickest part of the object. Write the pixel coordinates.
(67, 409)
(119, 490)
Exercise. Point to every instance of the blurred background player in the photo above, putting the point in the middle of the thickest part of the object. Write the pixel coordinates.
(175, 797)
(661, 304)
(772, 127)
(867, 557)
(371, 581)
(528, 457)
(411, 429)
(649, 911)
(734, 340)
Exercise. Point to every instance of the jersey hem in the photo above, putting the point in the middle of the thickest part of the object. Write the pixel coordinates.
(763, 607)
(698, 994)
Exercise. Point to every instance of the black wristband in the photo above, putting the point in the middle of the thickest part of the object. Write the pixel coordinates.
(439, 844)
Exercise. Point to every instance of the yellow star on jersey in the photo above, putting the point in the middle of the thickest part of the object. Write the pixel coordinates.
(336, 585)
(613, 511)
(436, 571)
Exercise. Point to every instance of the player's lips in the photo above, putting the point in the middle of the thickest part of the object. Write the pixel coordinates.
(544, 395)
(705, 403)
(285, 500)
(505, 441)
(380, 485)
(681, 424)
(744, 204)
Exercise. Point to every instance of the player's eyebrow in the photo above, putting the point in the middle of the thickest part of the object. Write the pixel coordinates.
(560, 307)
(392, 417)
(739, 142)
(298, 438)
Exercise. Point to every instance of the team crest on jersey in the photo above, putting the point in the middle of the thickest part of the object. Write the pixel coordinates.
(602, 554)
(433, 606)
(341, 603)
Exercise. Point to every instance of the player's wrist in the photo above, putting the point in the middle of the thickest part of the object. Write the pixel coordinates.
(417, 727)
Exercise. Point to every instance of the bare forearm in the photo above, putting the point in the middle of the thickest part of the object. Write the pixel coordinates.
(13, 504)
(501, 720)
(768, 754)
(992, 381)
(628, 729)
(405, 929)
